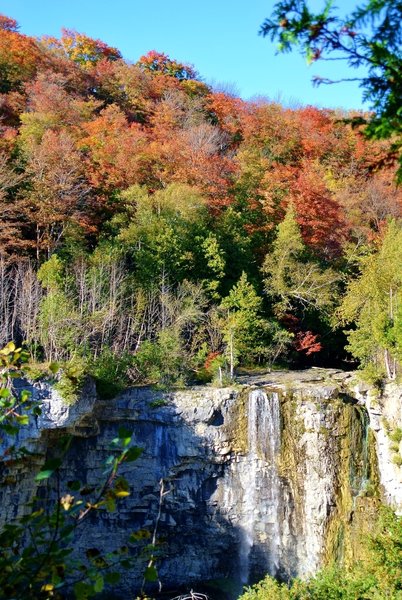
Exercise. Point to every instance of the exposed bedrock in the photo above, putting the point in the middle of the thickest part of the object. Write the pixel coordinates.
(278, 474)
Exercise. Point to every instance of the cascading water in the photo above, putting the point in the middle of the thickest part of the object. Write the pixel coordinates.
(259, 520)
(360, 467)
(292, 485)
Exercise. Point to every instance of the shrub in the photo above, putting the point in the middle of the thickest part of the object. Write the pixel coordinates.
(162, 361)
(396, 435)
(378, 576)
(111, 372)
(71, 379)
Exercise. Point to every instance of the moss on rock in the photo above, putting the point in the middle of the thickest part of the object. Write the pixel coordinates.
(357, 493)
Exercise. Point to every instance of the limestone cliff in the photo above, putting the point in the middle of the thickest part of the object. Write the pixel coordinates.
(277, 474)
(385, 412)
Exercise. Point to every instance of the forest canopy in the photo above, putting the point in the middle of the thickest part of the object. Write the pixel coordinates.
(157, 230)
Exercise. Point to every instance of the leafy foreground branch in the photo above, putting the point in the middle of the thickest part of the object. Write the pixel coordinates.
(36, 548)
(368, 37)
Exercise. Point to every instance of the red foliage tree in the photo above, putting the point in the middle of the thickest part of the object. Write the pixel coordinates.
(58, 192)
(8, 24)
(50, 105)
(307, 342)
(318, 212)
(229, 112)
(113, 149)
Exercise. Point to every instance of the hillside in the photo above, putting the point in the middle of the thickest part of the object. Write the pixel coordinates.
(157, 230)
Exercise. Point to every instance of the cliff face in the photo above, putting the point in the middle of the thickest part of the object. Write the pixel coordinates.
(385, 414)
(276, 475)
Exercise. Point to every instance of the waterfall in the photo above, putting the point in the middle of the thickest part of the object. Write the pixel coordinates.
(360, 472)
(299, 473)
(259, 521)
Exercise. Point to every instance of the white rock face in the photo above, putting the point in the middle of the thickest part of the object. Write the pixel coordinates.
(319, 484)
(56, 414)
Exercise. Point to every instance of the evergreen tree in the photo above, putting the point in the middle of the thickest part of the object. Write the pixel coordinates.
(293, 278)
(247, 333)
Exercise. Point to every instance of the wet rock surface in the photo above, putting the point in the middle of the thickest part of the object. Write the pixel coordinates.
(384, 408)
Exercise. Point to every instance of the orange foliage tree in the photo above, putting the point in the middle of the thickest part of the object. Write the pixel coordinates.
(112, 148)
(58, 193)
(20, 56)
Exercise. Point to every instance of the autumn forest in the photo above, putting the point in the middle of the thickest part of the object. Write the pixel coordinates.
(157, 230)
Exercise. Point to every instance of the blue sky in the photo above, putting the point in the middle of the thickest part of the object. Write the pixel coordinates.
(219, 37)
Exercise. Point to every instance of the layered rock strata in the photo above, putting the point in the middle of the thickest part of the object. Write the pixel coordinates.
(272, 475)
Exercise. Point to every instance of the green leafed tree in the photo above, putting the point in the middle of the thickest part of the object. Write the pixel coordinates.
(159, 231)
(243, 324)
(59, 329)
(373, 304)
(166, 358)
(248, 335)
(294, 280)
(215, 262)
